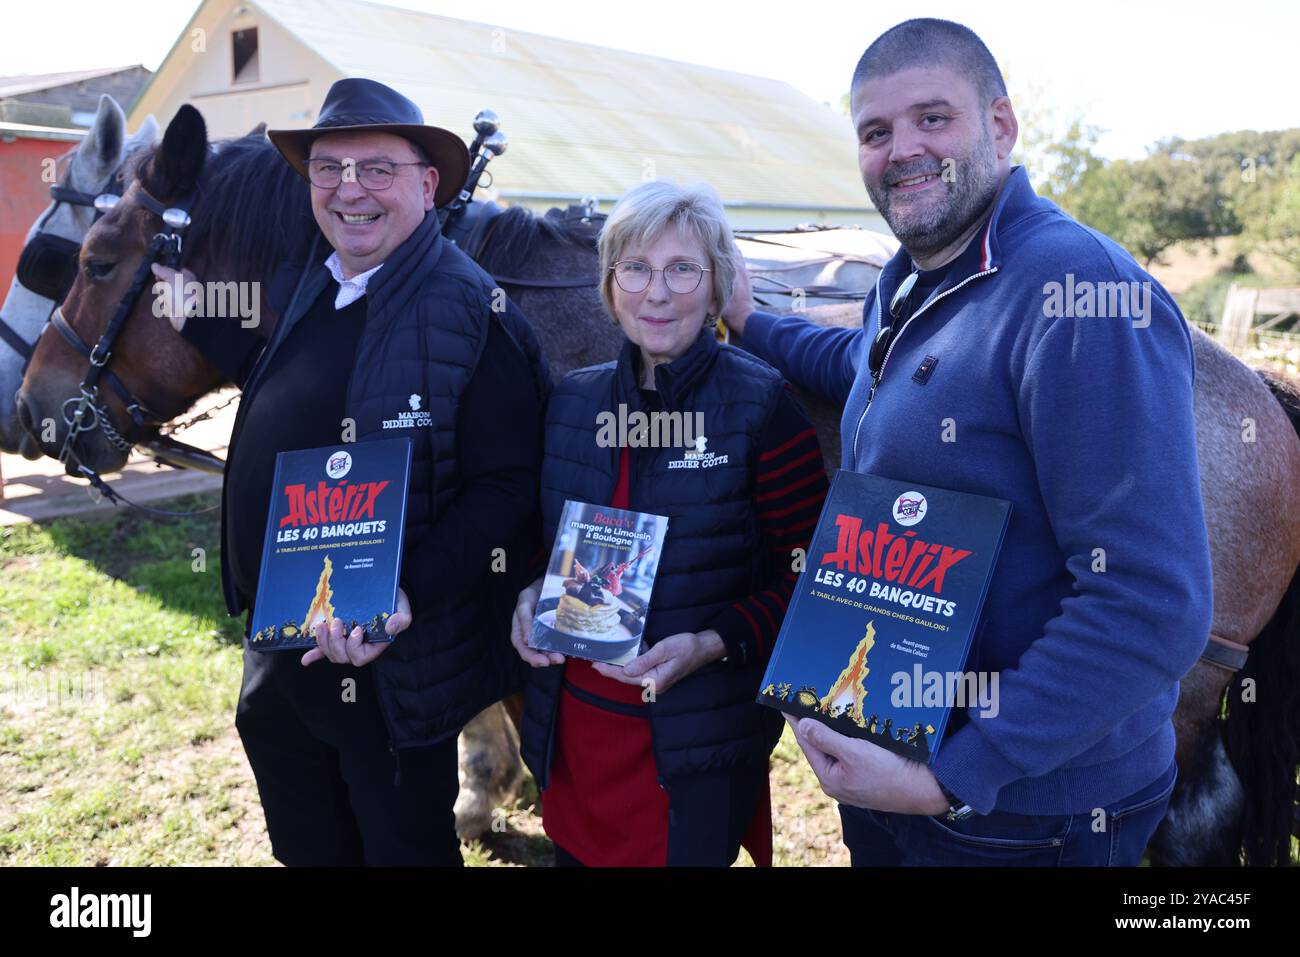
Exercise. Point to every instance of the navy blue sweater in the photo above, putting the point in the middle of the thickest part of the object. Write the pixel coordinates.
(1101, 598)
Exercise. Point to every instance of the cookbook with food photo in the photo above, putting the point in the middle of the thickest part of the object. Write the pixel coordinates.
(599, 578)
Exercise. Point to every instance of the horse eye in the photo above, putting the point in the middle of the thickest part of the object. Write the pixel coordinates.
(98, 268)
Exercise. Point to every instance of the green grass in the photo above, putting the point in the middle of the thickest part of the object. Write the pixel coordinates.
(119, 673)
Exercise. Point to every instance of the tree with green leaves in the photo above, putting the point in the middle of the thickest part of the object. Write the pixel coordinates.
(1272, 216)
(1150, 204)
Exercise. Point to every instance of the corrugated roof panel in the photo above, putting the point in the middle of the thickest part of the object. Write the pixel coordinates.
(586, 119)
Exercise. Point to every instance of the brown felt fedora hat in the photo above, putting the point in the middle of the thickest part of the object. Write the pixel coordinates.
(364, 105)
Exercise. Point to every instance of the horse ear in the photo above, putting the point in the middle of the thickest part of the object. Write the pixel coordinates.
(145, 136)
(101, 150)
(180, 158)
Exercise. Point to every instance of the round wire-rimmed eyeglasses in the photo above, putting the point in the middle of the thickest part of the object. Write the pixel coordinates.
(681, 277)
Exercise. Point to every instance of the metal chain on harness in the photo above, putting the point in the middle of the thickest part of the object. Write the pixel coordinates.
(171, 428)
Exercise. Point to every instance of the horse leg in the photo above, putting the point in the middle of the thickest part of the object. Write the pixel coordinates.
(514, 706)
(490, 771)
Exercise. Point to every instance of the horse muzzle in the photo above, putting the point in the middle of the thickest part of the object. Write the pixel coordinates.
(47, 434)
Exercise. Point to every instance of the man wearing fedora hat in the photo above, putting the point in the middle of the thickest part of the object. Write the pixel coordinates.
(395, 333)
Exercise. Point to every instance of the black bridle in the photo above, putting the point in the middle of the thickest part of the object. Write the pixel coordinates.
(47, 264)
(84, 412)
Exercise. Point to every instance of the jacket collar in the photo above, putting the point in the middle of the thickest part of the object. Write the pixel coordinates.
(387, 290)
(984, 254)
(404, 271)
(674, 380)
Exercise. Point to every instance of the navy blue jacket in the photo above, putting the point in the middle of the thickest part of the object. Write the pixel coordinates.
(1060, 378)
(712, 555)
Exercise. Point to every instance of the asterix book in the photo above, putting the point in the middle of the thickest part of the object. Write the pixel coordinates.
(883, 615)
(596, 592)
(333, 546)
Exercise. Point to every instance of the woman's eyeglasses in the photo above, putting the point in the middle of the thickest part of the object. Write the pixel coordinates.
(374, 175)
(680, 277)
(897, 306)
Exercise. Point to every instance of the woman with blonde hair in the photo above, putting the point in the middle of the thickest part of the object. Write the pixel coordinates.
(663, 760)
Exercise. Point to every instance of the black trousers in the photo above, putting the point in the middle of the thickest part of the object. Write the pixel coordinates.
(564, 859)
(332, 791)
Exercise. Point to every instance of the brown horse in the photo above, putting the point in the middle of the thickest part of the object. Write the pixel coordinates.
(1237, 778)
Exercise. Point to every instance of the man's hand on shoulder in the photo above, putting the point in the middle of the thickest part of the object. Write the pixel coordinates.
(738, 308)
(170, 292)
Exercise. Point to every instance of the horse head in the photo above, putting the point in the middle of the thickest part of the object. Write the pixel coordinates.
(113, 274)
(95, 165)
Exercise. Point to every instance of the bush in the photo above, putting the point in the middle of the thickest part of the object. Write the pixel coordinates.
(1203, 303)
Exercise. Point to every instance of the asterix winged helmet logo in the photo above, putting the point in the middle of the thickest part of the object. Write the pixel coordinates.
(414, 400)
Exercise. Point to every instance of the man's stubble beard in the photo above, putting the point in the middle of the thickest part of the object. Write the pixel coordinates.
(970, 193)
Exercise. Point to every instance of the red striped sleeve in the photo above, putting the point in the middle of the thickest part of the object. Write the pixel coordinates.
(790, 488)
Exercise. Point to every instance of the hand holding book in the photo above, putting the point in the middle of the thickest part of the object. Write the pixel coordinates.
(856, 772)
(521, 626)
(668, 661)
(353, 649)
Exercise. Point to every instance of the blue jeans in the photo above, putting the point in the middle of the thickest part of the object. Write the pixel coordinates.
(1001, 839)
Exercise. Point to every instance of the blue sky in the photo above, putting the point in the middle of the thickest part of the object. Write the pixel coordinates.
(1141, 70)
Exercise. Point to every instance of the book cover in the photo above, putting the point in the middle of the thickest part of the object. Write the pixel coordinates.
(596, 592)
(885, 610)
(333, 545)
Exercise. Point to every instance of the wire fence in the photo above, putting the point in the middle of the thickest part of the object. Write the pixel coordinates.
(1264, 340)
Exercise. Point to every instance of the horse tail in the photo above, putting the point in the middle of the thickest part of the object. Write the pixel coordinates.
(1262, 732)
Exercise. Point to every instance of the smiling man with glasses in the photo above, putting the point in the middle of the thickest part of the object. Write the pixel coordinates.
(369, 192)
(395, 333)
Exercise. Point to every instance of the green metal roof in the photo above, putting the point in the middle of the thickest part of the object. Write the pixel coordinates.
(584, 119)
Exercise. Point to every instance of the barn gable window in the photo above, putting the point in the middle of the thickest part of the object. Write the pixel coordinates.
(243, 47)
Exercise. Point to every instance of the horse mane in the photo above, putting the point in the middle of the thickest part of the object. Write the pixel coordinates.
(1286, 389)
(518, 233)
(252, 212)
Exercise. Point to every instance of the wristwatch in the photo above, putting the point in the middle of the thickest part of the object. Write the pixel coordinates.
(958, 810)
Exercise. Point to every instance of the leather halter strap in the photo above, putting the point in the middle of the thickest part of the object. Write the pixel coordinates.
(140, 413)
(1224, 653)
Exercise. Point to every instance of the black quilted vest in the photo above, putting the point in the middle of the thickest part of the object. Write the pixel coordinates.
(713, 554)
(426, 323)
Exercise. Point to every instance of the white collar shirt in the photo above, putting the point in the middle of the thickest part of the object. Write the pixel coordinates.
(350, 290)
